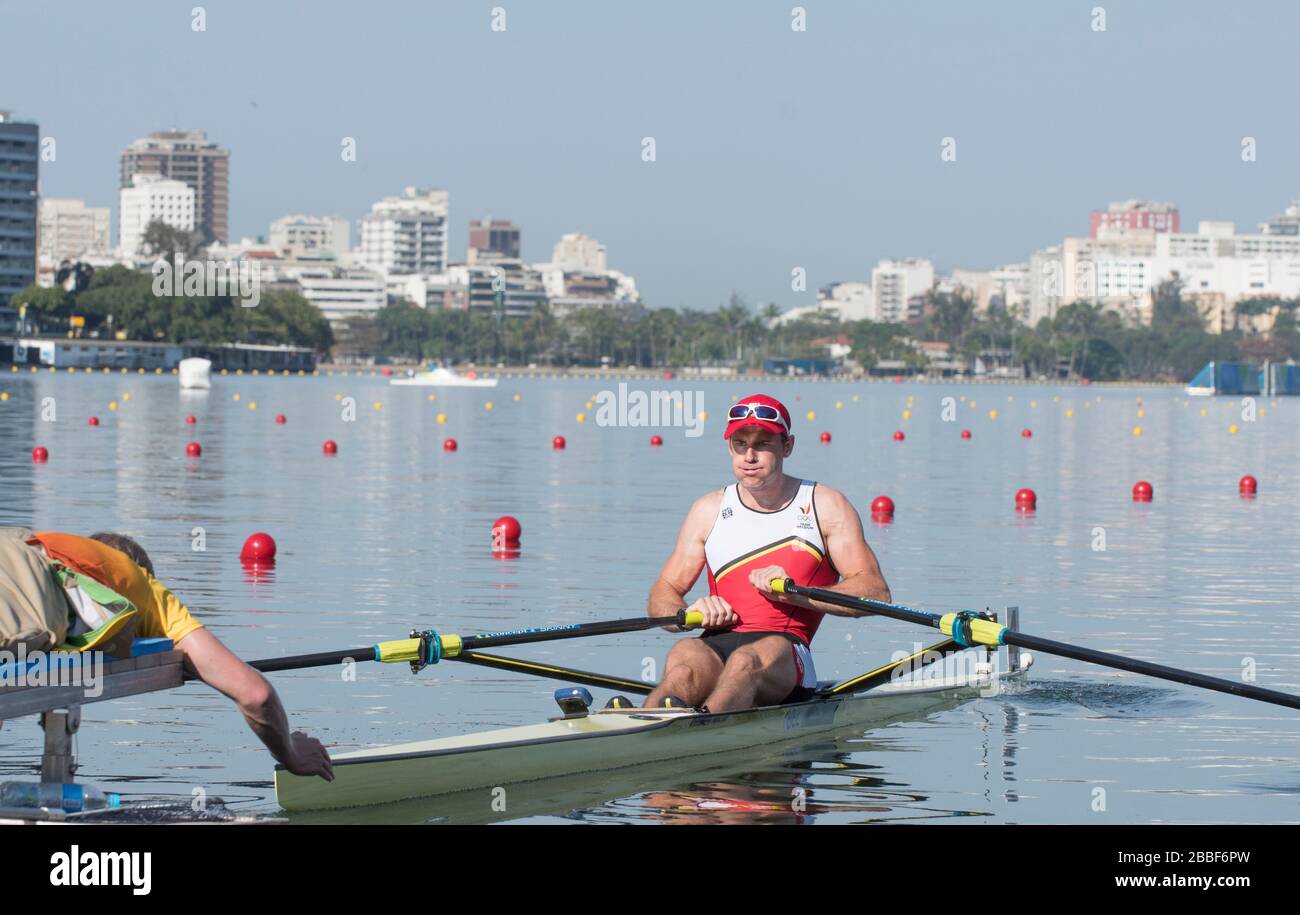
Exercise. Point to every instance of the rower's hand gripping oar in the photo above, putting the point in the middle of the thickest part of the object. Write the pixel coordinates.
(425, 646)
(967, 629)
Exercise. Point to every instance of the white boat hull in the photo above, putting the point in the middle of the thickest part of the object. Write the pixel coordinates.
(604, 740)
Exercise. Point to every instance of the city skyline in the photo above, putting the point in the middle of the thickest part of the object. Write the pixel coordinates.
(758, 172)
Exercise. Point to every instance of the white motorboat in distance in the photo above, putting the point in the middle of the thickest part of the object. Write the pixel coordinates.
(441, 377)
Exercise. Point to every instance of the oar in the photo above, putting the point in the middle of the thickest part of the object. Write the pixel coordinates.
(967, 629)
(429, 647)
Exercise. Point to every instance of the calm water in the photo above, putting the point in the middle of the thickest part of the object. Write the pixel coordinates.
(394, 533)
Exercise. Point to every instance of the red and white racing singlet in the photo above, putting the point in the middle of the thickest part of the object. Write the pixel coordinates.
(744, 539)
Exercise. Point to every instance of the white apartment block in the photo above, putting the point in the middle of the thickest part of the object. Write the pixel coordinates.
(1213, 263)
(1008, 285)
(579, 253)
(312, 237)
(71, 230)
(341, 293)
(406, 234)
(894, 282)
(434, 291)
(152, 198)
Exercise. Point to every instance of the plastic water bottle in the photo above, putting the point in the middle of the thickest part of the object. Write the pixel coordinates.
(68, 798)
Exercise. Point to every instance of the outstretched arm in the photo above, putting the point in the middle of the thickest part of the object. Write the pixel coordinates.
(218, 667)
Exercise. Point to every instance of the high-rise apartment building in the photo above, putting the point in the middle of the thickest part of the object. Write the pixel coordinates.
(188, 156)
(407, 234)
(19, 163)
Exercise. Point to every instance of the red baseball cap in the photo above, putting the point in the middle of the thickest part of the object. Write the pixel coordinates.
(740, 417)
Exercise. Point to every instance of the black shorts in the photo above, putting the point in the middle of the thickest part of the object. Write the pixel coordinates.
(725, 643)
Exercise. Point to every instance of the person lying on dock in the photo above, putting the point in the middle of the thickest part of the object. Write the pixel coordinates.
(67, 592)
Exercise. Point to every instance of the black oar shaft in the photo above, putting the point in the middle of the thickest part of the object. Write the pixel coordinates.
(318, 659)
(1159, 671)
(1050, 646)
(576, 630)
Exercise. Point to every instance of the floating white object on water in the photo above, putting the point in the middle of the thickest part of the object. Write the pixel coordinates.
(195, 373)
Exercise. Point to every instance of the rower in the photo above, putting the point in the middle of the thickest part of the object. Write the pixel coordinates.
(107, 581)
(755, 649)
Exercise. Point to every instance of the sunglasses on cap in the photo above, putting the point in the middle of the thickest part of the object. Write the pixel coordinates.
(759, 411)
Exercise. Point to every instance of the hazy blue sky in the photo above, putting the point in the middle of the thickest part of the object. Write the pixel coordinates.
(776, 149)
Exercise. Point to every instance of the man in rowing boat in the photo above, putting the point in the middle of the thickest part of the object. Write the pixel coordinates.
(755, 648)
(96, 593)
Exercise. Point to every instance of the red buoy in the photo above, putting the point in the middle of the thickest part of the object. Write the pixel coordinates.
(259, 547)
(558, 443)
(449, 445)
(882, 505)
(1143, 491)
(387, 371)
(506, 529)
(280, 419)
(93, 421)
(668, 376)
(193, 449)
(898, 436)
(40, 455)
(1026, 500)
(1248, 485)
(656, 441)
(965, 433)
(190, 420)
(826, 438)
(330, 447)
(1026, 433)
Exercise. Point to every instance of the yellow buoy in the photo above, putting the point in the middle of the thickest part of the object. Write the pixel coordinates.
(442, 418)
(839, 405)
(378, 405)
(1204, 412)
(582, 417)
(1069, 414)
(126, 397)
(252, 405)
(433, 396)
(236, 397)
(907, 414)
(488, 405)
(812, 414)
(1233, 429)
(338, 396)
(855, 396)
(588, 405)
(1141, 413)
(4, 395)
(704, 415)
(112, 406)
(993, 414)
(516, 397)
(1137, 430)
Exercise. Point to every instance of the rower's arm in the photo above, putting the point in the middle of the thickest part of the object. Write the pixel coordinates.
(217, 666)
(683, 568)
(859, 570)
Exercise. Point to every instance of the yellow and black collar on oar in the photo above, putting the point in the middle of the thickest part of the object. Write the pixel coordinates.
(975, 631)
(425, 646)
